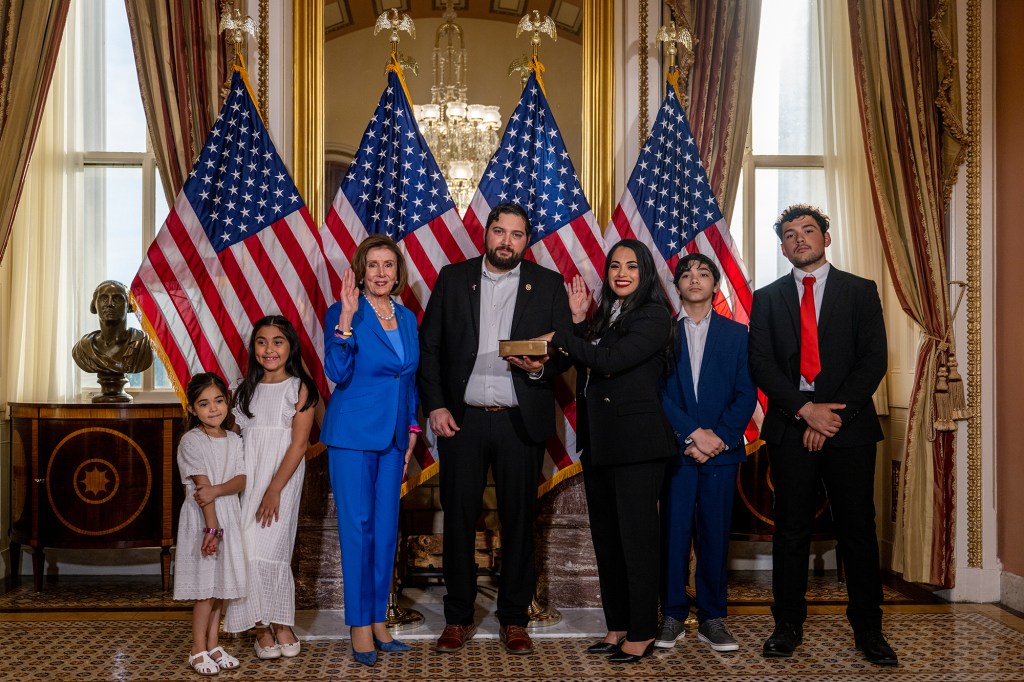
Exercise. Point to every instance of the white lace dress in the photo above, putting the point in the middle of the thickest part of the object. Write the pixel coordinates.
(266, 436)
(222, 575)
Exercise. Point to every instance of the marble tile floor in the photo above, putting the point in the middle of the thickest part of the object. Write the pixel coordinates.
(935, 641)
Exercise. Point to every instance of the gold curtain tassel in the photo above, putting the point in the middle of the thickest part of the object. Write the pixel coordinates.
(957, 397)
(943, 409)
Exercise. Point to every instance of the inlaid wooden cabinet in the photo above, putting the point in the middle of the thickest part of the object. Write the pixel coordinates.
(94, 476)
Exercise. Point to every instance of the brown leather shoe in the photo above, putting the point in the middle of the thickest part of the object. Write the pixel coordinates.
(454, 637)
(516, 639)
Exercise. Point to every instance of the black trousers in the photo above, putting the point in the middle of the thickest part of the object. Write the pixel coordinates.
(498, 441)
(623, 505)
(849, 477)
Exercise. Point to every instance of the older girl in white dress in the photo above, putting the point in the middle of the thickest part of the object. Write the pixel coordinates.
(274, 409)
(209, 562)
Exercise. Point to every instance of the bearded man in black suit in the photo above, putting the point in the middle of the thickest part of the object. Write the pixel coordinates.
(490, 412)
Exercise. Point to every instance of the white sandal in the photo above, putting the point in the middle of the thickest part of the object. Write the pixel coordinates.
(226, 660)
(203, 664)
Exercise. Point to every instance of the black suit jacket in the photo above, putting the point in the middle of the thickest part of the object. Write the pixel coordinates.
(620, 419)
(450, 334)
(851, 345)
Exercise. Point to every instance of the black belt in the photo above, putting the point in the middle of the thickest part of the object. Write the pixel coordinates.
(490, 408)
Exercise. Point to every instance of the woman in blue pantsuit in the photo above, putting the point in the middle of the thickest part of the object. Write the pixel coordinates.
(371, 354)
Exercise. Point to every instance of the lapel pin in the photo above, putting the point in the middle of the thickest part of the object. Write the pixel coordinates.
(529, 287)
(473, 287)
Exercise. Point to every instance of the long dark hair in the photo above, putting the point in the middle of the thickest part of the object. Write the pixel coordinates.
(293, 365)
(196, 385)
(648, 290)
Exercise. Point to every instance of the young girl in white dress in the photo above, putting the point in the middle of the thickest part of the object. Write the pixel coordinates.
(274, 409)
(209, 562)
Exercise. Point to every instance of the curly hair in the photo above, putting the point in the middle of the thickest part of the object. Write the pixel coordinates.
(797, 210)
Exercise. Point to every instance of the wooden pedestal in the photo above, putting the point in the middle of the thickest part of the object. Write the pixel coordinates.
(91, 476)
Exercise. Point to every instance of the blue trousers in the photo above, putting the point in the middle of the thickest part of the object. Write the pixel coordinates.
(697, 506)
(367, 489)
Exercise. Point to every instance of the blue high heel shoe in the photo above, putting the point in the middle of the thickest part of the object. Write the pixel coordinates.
(367, 658)
(394, 646)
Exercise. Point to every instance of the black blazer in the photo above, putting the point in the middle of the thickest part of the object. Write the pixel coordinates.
(450, 334)
(851, 344)
(619, 418)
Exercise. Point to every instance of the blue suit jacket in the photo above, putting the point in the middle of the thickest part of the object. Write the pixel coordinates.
(374, 400)
(727, 393)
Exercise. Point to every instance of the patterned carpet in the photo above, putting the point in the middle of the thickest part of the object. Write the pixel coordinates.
(953, 645)
(126, 628)
(117, 593)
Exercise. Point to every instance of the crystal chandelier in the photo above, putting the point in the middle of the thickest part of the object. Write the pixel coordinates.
(462, 136)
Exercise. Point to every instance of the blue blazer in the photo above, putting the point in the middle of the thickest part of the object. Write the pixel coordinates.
(727, 393)
(374, 399)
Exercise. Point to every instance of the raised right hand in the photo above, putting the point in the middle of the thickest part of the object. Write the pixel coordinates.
(349, 294)
(442, 423)
(579, 299)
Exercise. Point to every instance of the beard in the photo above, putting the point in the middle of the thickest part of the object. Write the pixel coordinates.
(503, 263)
(801, 259)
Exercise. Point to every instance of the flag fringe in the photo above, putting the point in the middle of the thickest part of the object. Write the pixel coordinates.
(158, 347)
(568, 472)
(422, 477)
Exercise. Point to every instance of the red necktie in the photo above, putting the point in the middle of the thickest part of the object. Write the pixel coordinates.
(810, 362)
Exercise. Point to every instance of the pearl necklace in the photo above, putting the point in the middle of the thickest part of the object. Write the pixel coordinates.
(382, 318)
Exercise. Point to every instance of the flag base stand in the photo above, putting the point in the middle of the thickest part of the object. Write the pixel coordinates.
(398, 619)
(542, 616)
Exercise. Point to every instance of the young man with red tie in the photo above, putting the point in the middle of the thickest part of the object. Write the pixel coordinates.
(818, 352)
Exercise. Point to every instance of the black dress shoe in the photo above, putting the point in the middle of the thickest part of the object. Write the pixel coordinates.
(875, 648)
(623, 657)
(784, 640)
(603, 648)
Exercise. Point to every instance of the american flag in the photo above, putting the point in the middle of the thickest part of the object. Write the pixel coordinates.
(532, 168)
(394, 187)
(669, 206)
(237, 245)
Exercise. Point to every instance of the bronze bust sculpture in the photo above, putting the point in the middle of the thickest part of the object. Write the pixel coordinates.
(114, 349)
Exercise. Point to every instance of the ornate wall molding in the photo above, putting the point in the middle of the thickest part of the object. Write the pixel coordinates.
(974, 330)
(308, 106)
(263, 51)
(598, 107)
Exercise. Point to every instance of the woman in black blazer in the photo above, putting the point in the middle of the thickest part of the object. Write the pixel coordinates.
(622, 356)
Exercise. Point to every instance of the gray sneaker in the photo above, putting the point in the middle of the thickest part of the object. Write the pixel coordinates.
(714, 633)
(671, 630)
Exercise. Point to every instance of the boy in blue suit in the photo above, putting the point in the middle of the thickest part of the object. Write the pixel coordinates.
(709, 398)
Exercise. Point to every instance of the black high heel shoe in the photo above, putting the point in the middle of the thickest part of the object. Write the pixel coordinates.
(623, 657)
(604, 648)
